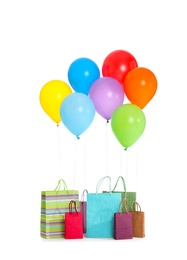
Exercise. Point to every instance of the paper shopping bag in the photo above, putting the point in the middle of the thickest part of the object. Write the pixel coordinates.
(138, 221)
(123, 223)
(73, 222)
(130, 195)
(54, 204)
(52, 226)
(100, 212)
(83, 209)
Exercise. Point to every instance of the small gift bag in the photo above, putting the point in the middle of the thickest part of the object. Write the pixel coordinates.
(123, 222)
(73, 222)
(83, 209)
(138, 221)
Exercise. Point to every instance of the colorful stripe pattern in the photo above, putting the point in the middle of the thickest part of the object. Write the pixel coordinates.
(54, 204)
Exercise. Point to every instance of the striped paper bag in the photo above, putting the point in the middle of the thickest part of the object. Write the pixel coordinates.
(54, 204)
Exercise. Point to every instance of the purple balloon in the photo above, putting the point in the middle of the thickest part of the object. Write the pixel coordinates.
(107, 94)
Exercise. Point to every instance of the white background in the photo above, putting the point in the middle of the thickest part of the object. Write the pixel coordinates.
(39, 40)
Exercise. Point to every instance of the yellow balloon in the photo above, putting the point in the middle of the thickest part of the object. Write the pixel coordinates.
(51, 97)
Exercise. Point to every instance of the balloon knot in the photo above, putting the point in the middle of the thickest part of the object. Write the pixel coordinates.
(78, 137)
(107, 121)
(125, 148)
(57, 124)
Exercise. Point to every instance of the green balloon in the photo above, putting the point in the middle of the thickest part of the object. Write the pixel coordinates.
(128, 123)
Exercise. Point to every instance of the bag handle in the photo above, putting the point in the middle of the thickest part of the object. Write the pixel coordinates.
(58, 189)
(83, 194)
(70, 206)
(126, 205)
(123, 181)
(59, 185)
(137, 205)
(101, 180)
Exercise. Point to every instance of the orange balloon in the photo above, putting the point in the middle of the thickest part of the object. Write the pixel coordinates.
(140, 85)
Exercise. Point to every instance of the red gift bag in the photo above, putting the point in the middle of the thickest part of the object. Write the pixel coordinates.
(83, 203)
(123, 223)
(73, 222)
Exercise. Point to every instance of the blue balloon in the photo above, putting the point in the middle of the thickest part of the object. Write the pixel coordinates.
(82, 73)
(77, 112)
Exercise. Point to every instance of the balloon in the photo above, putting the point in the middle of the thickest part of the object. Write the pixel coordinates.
(51, 96)
(128, 123)
(77, 112)
(82, 73)
(140, 86)
(117, 64)
(107, 94)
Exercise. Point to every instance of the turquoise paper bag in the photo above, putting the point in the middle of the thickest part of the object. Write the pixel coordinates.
(100, 212)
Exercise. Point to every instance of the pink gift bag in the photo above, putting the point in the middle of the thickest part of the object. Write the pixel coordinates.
(123, 222)
(73, 222)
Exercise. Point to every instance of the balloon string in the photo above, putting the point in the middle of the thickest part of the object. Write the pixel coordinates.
(59, 148)
(121, 164)
(137, 166)
(127, 165)
(84, 162)
(75, 162)
(106, 148)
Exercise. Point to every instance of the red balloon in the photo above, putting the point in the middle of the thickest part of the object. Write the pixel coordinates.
(117, 64)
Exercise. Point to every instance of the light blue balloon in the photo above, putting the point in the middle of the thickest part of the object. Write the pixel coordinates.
(77, 112)
(82, 73)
